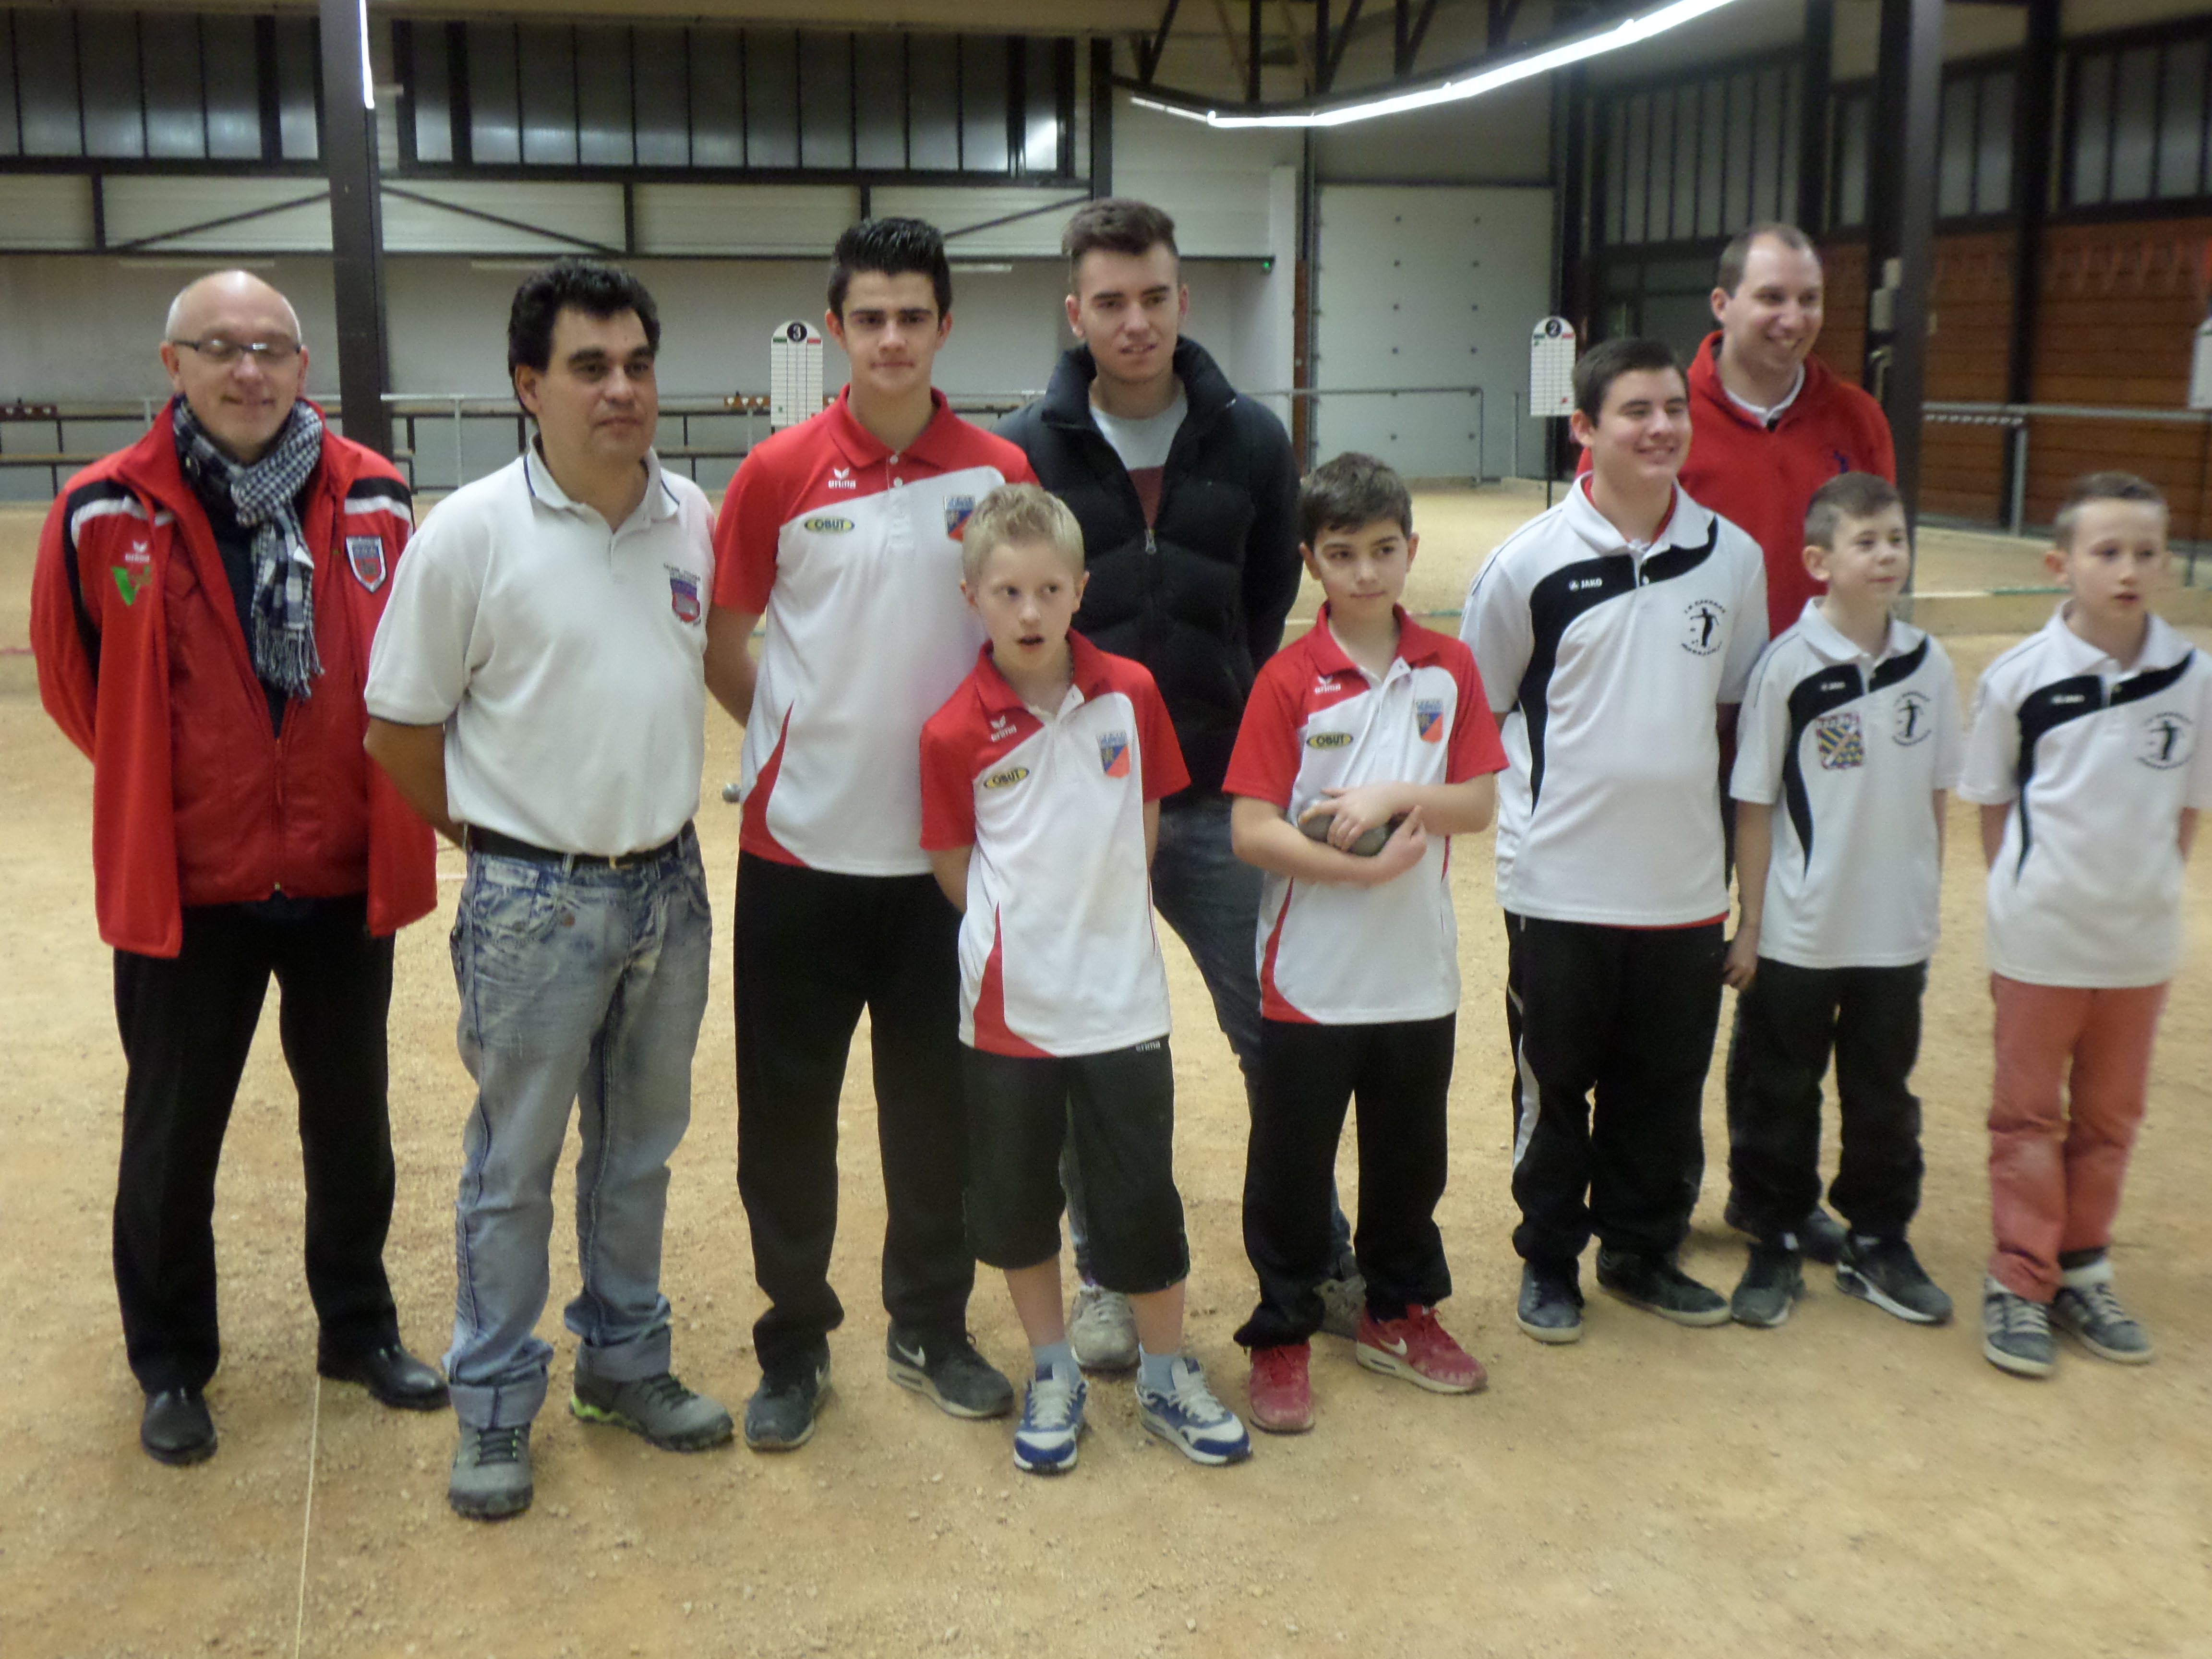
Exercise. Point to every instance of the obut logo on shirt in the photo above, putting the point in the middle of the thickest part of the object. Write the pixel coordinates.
(1702, 636)
(1330, 740)
(1011, 776)
(2166, 741)
(1910, 721)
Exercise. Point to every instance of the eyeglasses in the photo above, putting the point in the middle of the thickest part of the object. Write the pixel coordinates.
(222, 353)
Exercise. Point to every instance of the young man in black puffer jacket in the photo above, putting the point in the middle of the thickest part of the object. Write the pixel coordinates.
(1187, 498)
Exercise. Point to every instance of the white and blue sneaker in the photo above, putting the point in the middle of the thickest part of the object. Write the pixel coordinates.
(1052, 1422)
(1188, 1417)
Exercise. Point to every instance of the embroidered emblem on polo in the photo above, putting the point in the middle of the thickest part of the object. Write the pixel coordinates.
(1840, 741)
(1330, 740)
(824, 524)
(1429, 719)
(127, 583)
(366, 555)
(682, 594)
(958, 509)
(1911, 722)
(1011, 776)
(1114, 754)
(2164, 741)
(1702, 637)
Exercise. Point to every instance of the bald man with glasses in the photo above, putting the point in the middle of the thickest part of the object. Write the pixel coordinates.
(201, 612)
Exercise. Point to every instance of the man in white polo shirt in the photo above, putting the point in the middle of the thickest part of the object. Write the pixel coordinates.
(537, 692)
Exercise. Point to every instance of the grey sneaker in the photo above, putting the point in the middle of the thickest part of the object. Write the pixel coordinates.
(779, 1417)
(1885, 1272)
(1772, 1278)
(2087, 1310)
(946, 1369)
(2016, 1333)
(1102, 1329)
(491, 1473)
(659, 1407)
(1655, 1284)
(1342, 1301)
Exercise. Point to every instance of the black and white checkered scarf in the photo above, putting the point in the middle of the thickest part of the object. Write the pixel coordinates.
(265, 496)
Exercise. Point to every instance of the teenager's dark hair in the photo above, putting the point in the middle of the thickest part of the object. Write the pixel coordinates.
(891, 247)
(1737, 254)
(1350, 492)
(2101, 487)
(1119, 224)
(1846, 496)
(590, 286)
(1606, 361)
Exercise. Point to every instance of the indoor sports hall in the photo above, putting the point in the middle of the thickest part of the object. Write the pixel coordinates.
(1398, 222)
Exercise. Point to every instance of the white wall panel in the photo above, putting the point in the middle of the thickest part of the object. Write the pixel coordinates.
(1429, 286)
(742, 219)
(591, 212)
(45, 210)
(142, 207)
(1216, 184)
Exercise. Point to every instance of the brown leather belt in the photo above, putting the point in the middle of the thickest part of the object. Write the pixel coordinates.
(496, 845)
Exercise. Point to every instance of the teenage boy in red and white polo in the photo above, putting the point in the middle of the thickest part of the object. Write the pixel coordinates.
(1616, 633)
(1370, 723)
(843, 532)
(1041, 779)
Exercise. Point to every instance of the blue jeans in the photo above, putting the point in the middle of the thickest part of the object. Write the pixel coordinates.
(581, 987)
(1211, 897)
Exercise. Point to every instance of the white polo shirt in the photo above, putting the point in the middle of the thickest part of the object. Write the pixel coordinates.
(2099, 763)
(1852, 749)
(565, 659)
(852, 553)
(1058, 952)
(1334, 955)
(1607, 665)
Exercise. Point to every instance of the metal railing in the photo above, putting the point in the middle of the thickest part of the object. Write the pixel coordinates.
(2013, 419)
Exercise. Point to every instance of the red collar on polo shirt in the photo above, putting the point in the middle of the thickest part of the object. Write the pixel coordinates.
(1416, 644)
(1089, 676)
(934, 447)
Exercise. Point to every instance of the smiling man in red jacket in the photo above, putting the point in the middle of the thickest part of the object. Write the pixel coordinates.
(201, 612)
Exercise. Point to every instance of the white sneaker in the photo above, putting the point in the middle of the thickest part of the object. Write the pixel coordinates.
(1102, 1329)
(1052, 1422)
(1188, 1417)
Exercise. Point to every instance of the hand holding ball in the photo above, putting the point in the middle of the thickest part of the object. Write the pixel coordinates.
(1315, 825)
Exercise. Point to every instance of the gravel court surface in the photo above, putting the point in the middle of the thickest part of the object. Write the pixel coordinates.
(1845, 1484)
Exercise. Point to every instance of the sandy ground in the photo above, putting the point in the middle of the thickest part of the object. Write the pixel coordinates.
(1844, 1485)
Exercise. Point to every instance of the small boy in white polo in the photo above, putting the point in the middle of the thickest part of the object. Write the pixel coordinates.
(1366, 745)
(1041, 782)
(1849, 738)
(2087, 759)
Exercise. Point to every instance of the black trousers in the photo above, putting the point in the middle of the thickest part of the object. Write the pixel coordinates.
(813, 948)
(1612, 1030)
(1787, 1024)
(1400, 1073)
(187, 1024)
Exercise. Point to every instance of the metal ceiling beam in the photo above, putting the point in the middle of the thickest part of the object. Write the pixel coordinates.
(1148, 51)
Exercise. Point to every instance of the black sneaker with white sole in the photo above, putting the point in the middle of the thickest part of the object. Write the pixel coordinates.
(780, 1415)
(1551, 1305)
(2016, 1333)
(1885, 1272)
(1655, 1284)
(945, 1367)
(1772, 1279)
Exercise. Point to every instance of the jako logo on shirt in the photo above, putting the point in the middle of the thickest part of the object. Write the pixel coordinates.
(1429, 719)
(1702, 637)
(1114, 754)
(823, 525)
(1013, 774)
(1330, 740)
(958, 509)
(682, 594)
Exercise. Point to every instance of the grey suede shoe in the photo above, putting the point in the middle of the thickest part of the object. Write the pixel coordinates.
(491, 1473)
(659, 1408)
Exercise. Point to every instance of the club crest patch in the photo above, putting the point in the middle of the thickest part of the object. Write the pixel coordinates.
(1429, 719)
(367, 557)
(1114, 754)
(684, 595)
(958, 509)
(1841, 743)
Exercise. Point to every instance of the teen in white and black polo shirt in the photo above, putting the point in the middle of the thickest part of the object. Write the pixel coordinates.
(1611, 656)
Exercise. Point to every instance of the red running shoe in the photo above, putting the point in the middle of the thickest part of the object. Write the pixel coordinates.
(1282, 1397)
(1418, 1349)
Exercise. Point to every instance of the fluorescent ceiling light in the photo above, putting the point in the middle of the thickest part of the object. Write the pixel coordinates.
(368, 78)
(1628, 33)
